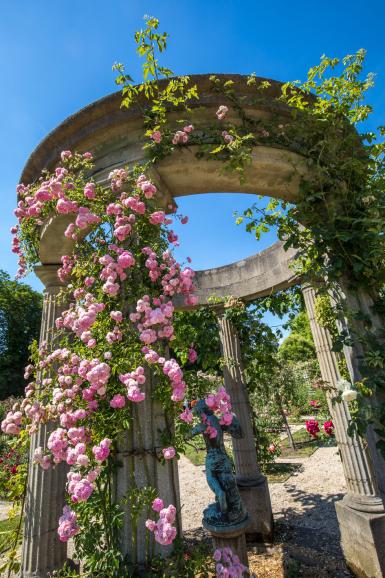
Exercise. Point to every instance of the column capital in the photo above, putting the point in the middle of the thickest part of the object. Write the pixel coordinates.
(48, 276)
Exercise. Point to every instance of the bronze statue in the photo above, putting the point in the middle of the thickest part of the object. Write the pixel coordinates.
(228, 509)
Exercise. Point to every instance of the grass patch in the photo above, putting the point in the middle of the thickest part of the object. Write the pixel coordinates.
(305, 445)
(6, 528)
(196, 456)
(279, 473)
(275, 473)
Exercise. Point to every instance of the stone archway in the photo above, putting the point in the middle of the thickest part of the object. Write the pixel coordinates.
(115, 137)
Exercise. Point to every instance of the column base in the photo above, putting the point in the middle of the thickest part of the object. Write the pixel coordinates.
(230, 537)
(362, 536)
(256, 499)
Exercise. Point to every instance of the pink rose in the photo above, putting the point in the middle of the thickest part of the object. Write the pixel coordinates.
(192, 355)
(157, 505)
(157, 218)
(221, 112)
(168, 453)
(156, 136)
(118, 401)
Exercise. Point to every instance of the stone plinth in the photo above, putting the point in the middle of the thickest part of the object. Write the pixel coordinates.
(362, 538)
(233, 537)
(251, 482)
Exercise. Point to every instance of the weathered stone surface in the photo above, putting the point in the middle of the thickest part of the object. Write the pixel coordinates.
(257, 276)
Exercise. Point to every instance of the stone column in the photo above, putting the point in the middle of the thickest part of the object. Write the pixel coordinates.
(139, 465)
(361, 302)
(42, 551)
(251, 482)
(361, 513)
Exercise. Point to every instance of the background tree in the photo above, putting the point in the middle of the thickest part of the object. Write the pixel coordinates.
(20, 315)
(299, 345)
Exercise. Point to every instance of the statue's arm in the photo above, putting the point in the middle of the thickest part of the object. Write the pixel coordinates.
(198, 429)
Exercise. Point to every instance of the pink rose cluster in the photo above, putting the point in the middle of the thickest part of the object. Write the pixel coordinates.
(228, 564)
(81, 318)
(168, 453)
(67, 525)
(182, 136)
(173, 278)
(172, 369)
(163, 529)
(314, 403)
(187, 415)
(51, 192)
(12, 421)
(153, 320)
(68, 264)
(114, 269)
(133, 380)
(312, 427)
(118, 177)
(220, 404)
(192, 355)
(81, 487)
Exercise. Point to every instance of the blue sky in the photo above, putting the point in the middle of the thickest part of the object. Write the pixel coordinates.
(56, 57)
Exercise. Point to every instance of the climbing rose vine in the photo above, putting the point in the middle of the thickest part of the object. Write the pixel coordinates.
(116, 322)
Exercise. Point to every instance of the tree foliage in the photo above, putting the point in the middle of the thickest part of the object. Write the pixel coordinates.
(299, 345)
(20, 315)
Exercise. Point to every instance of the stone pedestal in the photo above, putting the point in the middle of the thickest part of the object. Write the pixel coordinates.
(139, 465)
(361, 514)
(362, 538)
(233, 537)
(42, 551)
(251, 482)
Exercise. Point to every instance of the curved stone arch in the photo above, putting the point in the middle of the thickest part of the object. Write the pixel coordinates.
(257, 276)
(115, 137)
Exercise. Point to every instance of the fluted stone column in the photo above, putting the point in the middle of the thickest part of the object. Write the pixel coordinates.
(139, 465)
(42, 551)
(361, 513)
(251, 482)
(361, 302)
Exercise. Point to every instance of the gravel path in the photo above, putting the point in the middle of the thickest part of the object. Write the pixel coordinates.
(4, 509)
(306, 499)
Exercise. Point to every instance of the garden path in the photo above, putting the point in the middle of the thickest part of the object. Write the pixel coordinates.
(306, 499)
(307, 535)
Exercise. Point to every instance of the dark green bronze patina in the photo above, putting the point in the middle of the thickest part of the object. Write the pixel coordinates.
(228, 509)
